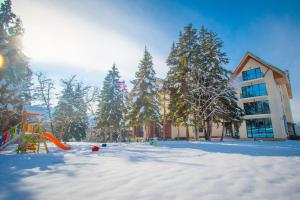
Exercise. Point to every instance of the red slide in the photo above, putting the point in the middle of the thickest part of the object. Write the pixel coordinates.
(53, 139)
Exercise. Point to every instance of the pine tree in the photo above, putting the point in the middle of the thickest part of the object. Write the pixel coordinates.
(198, 84)
(110, 107)
(180, 61)
(15, 75)
(144, 99)
(79, 124)
(70, 117)
(124, 133)
(211, 96)
(64, 110)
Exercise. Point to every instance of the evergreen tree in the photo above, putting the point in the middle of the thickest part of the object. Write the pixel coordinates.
(124, 133)
(198, 84)
(180, 61)
(211, 97)
(79, 124)
(110, 107)
(15, 75)
(64, 110)
(144, 99)
(70, 117)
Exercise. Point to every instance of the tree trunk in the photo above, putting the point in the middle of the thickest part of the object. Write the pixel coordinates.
(209, 129)
(195, 127)
(231, 130)
(205, 130)
(51, 126)
(110, 135)
(50, 118)
(196, 133)
(223, 128)
(105, 136)
(187, 132)
(165, 118)
(147, 131)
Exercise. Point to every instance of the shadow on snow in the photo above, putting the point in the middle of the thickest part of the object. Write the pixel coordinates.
(13, 168)
(251, 148)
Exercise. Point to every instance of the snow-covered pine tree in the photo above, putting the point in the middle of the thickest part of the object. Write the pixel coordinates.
(70, 117)
(64, 111)
(211, 96)
(79, 124)
(124, 133)
(228, 110)
(15, 75)
(144, 98)
(109, 114)
(180, 60)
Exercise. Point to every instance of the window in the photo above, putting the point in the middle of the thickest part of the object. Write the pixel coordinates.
(258, 107)
(254, 90)
(291, 128)
(140, 131)
(259, 128)
(252, 74)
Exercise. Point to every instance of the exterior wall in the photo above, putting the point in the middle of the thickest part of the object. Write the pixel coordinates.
(216, 132)
(167, 131)
(286, 104)
(182, 132)
(276, 107)
(276, 94)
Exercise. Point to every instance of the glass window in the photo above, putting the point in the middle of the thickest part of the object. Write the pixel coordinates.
(291, 128)
(140, 131)
(259, 128)
(258, 107)
(254, 90)
(252, 74)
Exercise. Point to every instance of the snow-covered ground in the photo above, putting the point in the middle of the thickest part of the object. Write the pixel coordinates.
(173, 170)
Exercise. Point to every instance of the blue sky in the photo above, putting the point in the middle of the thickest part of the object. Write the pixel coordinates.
(86, 37)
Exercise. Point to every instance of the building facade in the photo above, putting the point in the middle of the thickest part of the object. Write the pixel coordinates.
(264, 93)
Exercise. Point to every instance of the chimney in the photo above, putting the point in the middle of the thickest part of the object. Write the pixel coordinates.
(287, 73)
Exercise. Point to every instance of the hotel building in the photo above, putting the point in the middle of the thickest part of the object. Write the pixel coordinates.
(264, 92)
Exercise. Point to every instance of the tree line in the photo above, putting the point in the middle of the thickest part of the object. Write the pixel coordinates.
(197, 86)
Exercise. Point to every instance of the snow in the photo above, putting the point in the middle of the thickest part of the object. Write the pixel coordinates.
(173, 170)
(142, 109)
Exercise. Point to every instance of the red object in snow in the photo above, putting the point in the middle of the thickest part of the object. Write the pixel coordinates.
(95, 148)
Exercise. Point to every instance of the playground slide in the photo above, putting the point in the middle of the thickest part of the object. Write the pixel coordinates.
(53, 139)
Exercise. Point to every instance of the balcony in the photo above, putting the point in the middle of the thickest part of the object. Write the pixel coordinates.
(255, 90)
(252, 74)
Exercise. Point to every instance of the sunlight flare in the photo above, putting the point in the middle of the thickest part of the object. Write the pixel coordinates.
(2, 60)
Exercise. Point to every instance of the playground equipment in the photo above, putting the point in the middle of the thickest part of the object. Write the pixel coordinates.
(95, 148)
(153, 143)
(55, 141)
(30, 135)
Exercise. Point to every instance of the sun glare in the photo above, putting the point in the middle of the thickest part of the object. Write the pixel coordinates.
(2, 60)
